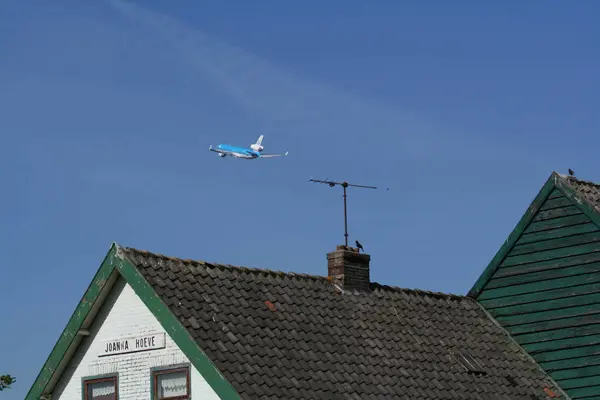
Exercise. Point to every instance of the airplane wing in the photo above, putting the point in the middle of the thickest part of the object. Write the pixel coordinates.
(273, 155)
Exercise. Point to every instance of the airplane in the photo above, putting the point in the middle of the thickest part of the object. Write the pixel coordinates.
(241, 152)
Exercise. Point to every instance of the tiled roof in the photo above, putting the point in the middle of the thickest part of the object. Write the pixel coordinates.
(277, 335)
(590, 191)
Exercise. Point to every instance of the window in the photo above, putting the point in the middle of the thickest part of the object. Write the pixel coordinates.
(171, 384)
(101, 388)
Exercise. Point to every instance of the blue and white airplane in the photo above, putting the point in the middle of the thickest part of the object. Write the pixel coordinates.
(241, 152)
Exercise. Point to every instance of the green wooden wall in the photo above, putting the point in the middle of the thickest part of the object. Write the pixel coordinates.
(546, 294)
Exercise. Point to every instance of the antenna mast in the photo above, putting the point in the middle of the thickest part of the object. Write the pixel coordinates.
(345, 185)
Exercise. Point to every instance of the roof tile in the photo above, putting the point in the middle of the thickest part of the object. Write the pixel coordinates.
(295, 336)
(590, 191)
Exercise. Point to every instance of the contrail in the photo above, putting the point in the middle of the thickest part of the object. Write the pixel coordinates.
(280, 97)
(251, 80)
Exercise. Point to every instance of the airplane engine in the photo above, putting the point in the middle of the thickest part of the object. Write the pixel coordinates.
(222, 155)
(256, 147)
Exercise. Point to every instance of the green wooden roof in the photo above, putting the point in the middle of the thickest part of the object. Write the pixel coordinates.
(543, 285)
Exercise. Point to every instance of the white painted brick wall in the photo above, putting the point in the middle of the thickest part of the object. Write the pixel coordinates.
(124, 314)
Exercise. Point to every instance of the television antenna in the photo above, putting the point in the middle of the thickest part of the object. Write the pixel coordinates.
(345, 185)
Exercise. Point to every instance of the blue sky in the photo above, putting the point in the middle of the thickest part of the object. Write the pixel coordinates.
(462, 109)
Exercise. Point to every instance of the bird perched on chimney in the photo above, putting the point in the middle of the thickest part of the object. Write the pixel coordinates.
(359, 246)
(571, 172)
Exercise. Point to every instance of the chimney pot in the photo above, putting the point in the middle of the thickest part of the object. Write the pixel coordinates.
(349, 268)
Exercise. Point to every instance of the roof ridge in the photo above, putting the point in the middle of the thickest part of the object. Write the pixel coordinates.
(226, 266)
(291, 274)
(422, 292)
(570, 178)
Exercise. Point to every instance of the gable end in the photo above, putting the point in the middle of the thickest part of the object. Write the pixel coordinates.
(80, 320)
(561, 195)
(543, 287)
(115, 264)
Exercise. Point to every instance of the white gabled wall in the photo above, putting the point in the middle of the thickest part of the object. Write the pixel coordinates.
(123, 315)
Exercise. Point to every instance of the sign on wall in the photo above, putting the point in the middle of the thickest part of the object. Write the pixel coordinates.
(133, 344)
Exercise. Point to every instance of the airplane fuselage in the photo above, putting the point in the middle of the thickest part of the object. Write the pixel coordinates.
(238, 152)
(245, 153)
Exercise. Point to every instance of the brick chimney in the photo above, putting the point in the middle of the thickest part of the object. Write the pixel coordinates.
(349, 268)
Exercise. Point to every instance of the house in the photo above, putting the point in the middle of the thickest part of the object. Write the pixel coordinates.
(543, 286)
(151, 326)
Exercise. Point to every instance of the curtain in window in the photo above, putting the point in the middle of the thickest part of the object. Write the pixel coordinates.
(102, 391)
(172, 384)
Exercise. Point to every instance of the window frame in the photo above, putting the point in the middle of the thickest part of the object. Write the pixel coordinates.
(87, 380)
(169, 369)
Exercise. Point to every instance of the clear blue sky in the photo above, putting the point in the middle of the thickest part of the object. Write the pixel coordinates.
(462, 109)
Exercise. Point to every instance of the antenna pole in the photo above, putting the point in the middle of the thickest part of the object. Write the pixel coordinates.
(344, 185)
(345, 217)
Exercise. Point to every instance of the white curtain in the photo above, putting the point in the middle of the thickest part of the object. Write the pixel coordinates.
(173, 384)
(103, 390)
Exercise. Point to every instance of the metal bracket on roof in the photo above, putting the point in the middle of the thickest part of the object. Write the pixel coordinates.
(469, 364)
(339, 288)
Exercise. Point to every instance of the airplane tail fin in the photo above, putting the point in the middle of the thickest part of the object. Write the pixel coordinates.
(258, 145)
